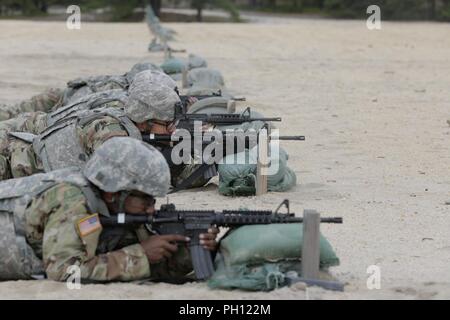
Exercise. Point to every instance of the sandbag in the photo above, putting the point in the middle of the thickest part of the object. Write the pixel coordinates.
(205, 78)
(288, 181)
(237, 172)
(195, 61)
(257, 257)
(264, 277)
(256, 244)
(173, 65)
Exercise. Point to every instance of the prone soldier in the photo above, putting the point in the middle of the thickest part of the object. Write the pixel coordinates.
(49, 222)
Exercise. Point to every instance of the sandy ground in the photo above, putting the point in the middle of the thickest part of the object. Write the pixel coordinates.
(372, 104)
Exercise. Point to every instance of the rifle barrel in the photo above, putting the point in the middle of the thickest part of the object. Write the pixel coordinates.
(223, 118)
(264, 119)
(295, 138)
(225, 134)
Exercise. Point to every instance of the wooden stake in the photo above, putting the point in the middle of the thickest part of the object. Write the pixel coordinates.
(184, 81)
(263, 162)
(311, 244)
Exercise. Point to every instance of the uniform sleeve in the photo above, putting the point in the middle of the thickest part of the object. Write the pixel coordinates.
(61, 209)
(32, 122)
(95, 133)
(42, 102)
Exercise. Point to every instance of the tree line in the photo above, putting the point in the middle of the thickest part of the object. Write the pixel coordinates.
(122, 10)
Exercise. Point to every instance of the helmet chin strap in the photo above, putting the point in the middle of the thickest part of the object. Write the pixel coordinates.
(122, 198)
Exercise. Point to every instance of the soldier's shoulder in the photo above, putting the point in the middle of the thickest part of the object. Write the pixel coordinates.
(64, 193)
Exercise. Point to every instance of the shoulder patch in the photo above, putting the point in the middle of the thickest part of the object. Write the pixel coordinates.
(88, 225)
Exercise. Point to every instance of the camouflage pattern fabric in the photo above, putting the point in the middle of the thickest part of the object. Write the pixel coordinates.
(42, 102)
(32, 122)
(17, 262)
(205, 78)
(53, 98)
(23, 160)
(20, 159)
(104, 167)
(112, 98)
(139, 67)
(52, 228)
(53, 217)
(5, 170)
(93, 134)
(151, 101)
(16, 157)
(81, 87)
(151, 76)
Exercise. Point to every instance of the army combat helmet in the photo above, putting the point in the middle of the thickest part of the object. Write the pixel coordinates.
(155, 76)
(139, 67)
(124, 164)
(150, 100)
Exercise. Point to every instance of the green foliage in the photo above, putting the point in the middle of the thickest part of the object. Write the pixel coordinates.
(444, 13)
(228, 6)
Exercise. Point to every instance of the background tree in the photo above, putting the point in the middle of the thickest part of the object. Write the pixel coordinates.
(124, 10)
(226, 5)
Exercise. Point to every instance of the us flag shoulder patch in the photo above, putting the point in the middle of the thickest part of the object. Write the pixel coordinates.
(88, 225)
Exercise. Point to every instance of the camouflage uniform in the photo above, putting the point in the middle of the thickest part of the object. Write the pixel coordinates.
(85, 138)
(15, 151)
(100, 256)
(54, 98)
(81, 87)
(76, 130)
(42, 102)
(33, 122)
(47, 210)
(158, 77)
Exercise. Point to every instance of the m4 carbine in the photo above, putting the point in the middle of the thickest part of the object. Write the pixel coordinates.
(238, 142)
(164, 138)
(192, 223)
(186, 120)
(185, 99)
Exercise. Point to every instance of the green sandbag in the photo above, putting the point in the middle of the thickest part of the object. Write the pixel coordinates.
(257, 244)
(205, 78)
(173, 65)
(277, 158)
(265, 277)
(195, 61)
(289, 181)
(258, 257)
(239, 179)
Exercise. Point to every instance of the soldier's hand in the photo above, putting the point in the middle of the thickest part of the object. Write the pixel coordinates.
(158, 248)
(191, 101)
(208, 240)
